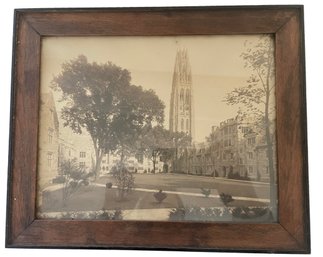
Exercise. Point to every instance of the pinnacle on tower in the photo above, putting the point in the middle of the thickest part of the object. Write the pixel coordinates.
(181, 110)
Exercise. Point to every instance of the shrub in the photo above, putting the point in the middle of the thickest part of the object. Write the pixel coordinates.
(59, 179)
(160, 196)
(199, 214)
(226, 198)
(96, 215)
(73, 184)
(108, 185)
(75, 177)
(206, 192)
(236, 175)
(108, 215)
(85, 182)
(125, 181)
(250, 214)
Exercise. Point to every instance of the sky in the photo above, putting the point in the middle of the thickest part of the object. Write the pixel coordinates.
(216, 65)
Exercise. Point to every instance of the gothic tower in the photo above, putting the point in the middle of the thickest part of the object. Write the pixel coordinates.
(181, 110)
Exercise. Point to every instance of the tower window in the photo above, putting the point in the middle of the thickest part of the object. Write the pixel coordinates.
(251, 141)
(182, 125)
(181, 99)
(187, 128)
(187, 97)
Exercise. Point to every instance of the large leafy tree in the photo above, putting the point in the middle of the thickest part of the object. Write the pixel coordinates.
(100, 99)
(160, 142)
(257, 95)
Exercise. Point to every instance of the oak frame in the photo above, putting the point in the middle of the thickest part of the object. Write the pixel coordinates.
(291, 234)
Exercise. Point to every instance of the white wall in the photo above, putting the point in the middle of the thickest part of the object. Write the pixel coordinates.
(314, 67)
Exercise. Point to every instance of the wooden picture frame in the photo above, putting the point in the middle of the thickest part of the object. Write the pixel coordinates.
(290, 234)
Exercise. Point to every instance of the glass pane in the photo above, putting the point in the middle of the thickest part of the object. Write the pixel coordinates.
(158, 128)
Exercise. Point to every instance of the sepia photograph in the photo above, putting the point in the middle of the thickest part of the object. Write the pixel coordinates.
(161, 128)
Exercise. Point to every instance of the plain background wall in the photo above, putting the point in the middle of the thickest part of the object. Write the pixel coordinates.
(314, 71)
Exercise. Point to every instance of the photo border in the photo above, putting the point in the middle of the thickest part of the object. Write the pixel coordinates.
(291, 234)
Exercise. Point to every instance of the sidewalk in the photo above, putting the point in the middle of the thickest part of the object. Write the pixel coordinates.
(241, 198)
(220, 178)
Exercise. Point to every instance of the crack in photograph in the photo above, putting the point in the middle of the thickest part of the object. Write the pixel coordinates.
(162, 128)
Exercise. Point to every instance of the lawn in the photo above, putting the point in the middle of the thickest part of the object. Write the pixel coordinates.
(95, 197)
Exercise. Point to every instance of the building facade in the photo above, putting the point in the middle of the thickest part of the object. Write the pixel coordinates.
(181, 103)
(48, 141)
(86, 158)
(234, 149)
(136, 164)
(66, 151)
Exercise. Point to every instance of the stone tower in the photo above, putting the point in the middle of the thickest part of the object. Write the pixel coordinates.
(181, 103)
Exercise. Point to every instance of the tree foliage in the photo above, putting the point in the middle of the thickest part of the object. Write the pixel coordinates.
(159, 142)
(100, 99)
(75, 177)
(124, 179)
(257, 96)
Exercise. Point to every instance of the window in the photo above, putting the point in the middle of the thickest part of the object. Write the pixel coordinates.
(228, 142)
(50, 135)
(182, 124)
(245, 130)
(187, 125)
(187, 97)
(49, 159)
(225, 130)
(250, 170)
(250, 155)
(240, 161)
(69, 152)
(251, 141)
(82, 164)
(181, 99)
(82, 154)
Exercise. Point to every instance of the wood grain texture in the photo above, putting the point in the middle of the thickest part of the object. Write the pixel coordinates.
(291, 130)
(168, 235)
(158, 21)
(22, 187)
(290, 234)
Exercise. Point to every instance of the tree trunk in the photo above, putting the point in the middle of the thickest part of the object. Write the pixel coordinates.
(122, 155)
(272, 182)
(154, 161)
(270, 154)
(98, 159)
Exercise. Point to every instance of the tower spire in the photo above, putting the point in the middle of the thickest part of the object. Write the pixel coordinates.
(181, 110)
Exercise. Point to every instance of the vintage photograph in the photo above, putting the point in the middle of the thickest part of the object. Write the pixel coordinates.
(172, 128)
